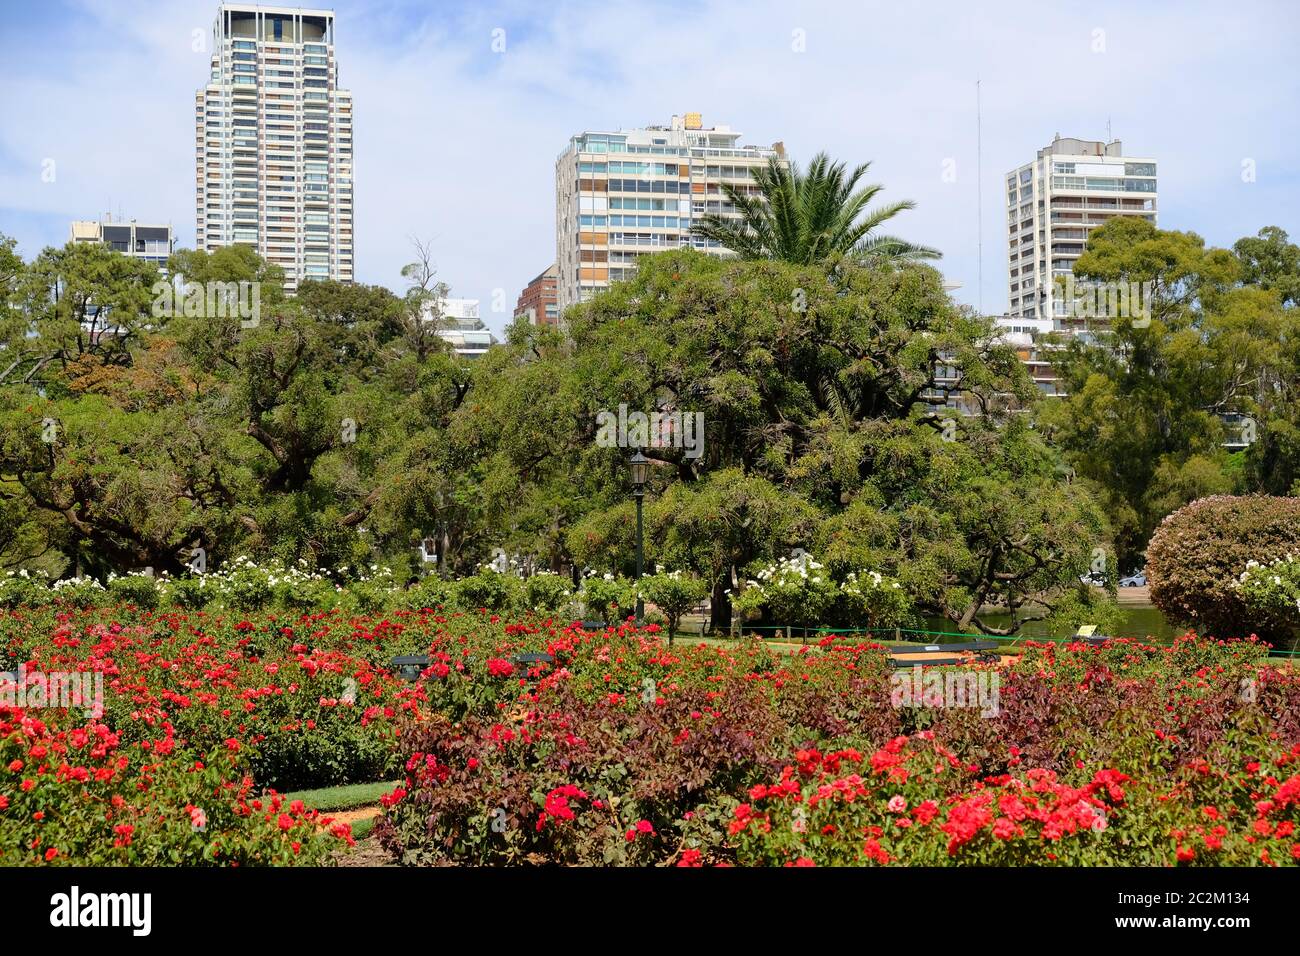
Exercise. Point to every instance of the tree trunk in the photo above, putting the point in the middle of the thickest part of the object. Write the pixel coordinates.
(720, 605)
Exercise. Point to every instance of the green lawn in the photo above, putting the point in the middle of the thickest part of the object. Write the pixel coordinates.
(348, 797)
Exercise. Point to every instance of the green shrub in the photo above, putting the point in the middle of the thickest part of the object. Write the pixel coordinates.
(1273, 590)
(79, 592)
(488, 589)
(247, 588)
(609, 597)
(190, 592)
(305, 593)
(370, 593)
(1198, 553)
(547, 593)
(792, 591)
(802, 593)
(430, 592)
(138, 589)
(21, 588)
(674, 593)
(870, 600)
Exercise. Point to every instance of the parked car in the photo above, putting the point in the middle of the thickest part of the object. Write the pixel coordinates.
(1138, 580)
(1095, 578)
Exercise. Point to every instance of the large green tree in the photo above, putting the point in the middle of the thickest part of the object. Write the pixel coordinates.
(1153, 396)
(330, 426)
(825, 389)
(156, 427)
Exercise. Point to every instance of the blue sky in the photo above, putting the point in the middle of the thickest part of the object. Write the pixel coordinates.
(456, 143)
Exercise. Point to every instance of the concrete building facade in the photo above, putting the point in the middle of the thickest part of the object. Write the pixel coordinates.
(621, 195)
(273, 142)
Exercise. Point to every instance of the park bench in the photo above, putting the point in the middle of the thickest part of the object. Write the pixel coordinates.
(526, 658)
(408, 666)
(980, 650)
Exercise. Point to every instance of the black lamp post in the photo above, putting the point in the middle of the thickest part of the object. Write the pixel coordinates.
(638, 467)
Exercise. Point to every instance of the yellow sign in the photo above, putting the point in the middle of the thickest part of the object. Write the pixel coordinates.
(693, 121)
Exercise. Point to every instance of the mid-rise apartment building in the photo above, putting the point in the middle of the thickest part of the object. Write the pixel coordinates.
(274, 142)
(621, 195)
(1028, 337)
(152, 243)
(1053, 203)
(539, 302)
(460, 326)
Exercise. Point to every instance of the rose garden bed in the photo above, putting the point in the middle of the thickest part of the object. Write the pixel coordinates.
(624, 751)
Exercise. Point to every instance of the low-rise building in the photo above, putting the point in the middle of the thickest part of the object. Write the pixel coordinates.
(152, 243)
(539, 302)
(460, 326)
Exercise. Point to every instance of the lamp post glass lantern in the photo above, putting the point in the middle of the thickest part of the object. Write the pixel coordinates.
(638, 467)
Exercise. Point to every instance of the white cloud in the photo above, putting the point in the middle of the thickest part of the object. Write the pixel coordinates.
(457, 143)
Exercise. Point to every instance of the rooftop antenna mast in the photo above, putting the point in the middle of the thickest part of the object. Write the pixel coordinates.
(979, 191)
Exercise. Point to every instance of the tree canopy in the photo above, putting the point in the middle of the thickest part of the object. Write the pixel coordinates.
(850, 408)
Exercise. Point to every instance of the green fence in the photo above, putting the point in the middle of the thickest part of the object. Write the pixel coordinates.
(807, 635)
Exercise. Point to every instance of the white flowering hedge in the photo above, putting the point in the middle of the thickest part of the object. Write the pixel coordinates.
(1272, 589)
(245, 585)
(802, 592)
(798, 593)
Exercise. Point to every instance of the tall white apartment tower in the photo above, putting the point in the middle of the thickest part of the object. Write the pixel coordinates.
(1070, 188)
(620, 195)
(274, 142)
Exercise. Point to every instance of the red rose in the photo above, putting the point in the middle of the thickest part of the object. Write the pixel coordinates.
(500, 667)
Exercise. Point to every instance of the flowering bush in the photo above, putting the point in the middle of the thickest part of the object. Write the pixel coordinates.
(546, 593)
(1089, 759)
(489, 589)
(1197, 553)
(793, 591)
(308, 701)
(801, 592)
(79, 592)
(138, 589)
(248, 586)
(430, 592)
(915, 801)
(622, 750)
(1272, 592)
(674, 593)
(607, 597)
(871, 600)
(80, 794)
(19, 588)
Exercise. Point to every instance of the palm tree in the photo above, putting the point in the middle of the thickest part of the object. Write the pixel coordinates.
(805, 217)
